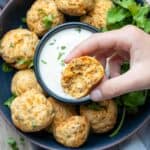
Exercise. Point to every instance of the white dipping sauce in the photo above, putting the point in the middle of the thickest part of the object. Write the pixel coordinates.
(53, 54)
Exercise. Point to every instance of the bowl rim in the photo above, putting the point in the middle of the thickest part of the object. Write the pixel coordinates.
(38, 51)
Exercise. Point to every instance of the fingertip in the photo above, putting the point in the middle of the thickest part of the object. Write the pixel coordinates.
(96, 95)
(67, 59)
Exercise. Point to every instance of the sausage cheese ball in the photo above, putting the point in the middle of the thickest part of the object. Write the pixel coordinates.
(97, 17)
(62, 112)
(80, 75)
(43, 15)
(75, 7)
(102, 115)
(23, 81)
(73, 132)
(18, 47)
(31, 111)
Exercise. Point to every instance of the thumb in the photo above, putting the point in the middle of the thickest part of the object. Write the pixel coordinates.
(116, 86)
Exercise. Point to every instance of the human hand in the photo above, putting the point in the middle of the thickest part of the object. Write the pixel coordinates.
(128, 43)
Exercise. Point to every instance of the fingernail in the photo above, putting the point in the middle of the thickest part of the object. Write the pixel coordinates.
(67, 59)
(96, 95)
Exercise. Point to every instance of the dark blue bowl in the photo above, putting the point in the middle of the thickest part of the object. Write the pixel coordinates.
(9, 19)
(39, 49)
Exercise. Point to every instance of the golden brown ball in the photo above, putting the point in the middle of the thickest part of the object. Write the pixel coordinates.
(31, 111)
(81, 75)
(43, 15)
(24, 80)
(97, 17)
(75, 7)
(62, 112)
(73, 132)
(18, 47)
(102, 115)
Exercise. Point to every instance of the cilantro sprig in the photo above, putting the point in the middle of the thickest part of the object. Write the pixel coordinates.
(12, 143)
(133, 100)
(130, 102)
(9, 101)
(128, 12)
(22, 61)
(116, 131)
(48, 21)
(96, 106)
(6, 68)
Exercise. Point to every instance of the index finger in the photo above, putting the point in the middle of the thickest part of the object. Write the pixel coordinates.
(101, 43)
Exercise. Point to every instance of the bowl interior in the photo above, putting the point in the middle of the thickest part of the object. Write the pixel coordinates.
(39, 49)
(12, 19)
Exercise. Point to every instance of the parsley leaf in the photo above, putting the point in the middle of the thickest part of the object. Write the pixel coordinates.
(9, 101)
(117, 14)
(63, 47)
(116, 131)
(48, 21)
(128, 12)
(34, 124)
(134, 99)
(60, 54)
(23, 19)
(6, 68)
(95, 106)
(12, 143)
(22, 141)
(125, 67)
(141, 18)
(130, 5)
(62, 63)
(43, 61)
(29, 63)
(78, 29)
(11, 45)
(0, 43)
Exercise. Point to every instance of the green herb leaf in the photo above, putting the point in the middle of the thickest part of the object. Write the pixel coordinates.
(60, 54)
(9, 101)
(53, 42)
(62, 63)
(78, 29)
(117, 14)
(130, 5)
(23, 19)
(63, 47)
(134, 99)
(141, 18)
(6, 68)
(41, 12)
(0, 43)
(21, 62)
(21, 27)
(34, 124)
(128, 12)
(43, 61)
(116, 131)
(125, 67)
(48, 21)
(95, 106)
(22, 141)
(29, 63)
(11, 45)
(12, 143)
